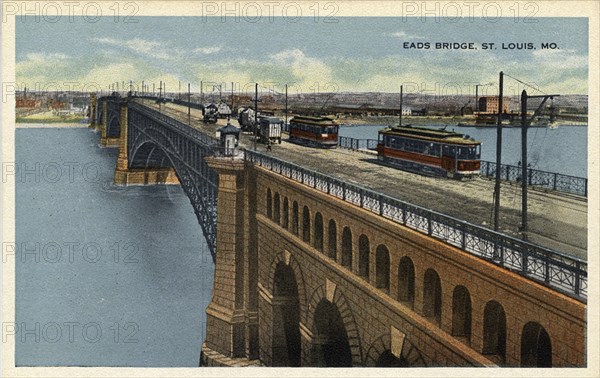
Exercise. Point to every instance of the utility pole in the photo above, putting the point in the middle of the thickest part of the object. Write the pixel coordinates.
(286, 105)
(255, 113)
(189, 108)
(160, 96)
(524, 176)
(400, 114)
(498, 153)
(201, 94)
(524, 165)
(232, 97)
(179, 95)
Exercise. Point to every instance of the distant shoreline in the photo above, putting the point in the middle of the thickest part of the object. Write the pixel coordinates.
(434, 120)
(51, 125)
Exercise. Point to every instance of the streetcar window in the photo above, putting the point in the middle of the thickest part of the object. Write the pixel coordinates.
(469, 153)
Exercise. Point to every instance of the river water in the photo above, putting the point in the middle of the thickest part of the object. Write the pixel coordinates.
(562, 150)
(105, 276)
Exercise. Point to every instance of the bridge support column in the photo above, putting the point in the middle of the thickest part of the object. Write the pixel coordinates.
(92, 109)
(137, 176)
(225, 343)
(101, 127)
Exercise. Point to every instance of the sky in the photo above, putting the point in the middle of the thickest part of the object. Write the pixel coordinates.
(352, 55)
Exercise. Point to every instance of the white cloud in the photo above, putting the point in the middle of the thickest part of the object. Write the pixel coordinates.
(141, 46)
(405, 36)
(208, 50)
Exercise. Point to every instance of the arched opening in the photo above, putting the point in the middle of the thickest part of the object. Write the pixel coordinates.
(330, 340)
(318, 242)
(387, 359)
(363, 256)
(536, 348)
(347, 248)
(461, 314)
(332, 241)
(382, 268)
(295, 218)
(432, 297)
(286, 318)
(494, 331)
(306, 224)
(406, 282)
(269, 204)
(285, 217)
(276, 209)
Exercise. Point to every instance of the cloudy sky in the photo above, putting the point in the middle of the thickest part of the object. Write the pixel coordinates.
(354, 54)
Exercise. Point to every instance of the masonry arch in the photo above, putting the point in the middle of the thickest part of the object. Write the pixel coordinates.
(286, 346)
(432, 296)
(382, 268)
(461, 313)
(494, 331)
(269, 204)
(285, 216)
(335, 338)
(318, 239)
(406, 282)
(347, 248)
(363, 256)
(332, 240)
(536, 347)
(276, 208)
(380, 353)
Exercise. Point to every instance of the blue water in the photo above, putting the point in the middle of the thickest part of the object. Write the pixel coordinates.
(105, 276)
(562, 150)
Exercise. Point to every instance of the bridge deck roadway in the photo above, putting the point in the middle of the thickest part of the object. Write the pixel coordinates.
(556, 221)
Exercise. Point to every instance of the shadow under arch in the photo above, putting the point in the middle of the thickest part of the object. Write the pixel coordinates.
(289, 300)
(340, 344)
(380, 354)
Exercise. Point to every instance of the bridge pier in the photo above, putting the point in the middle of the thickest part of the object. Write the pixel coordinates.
(135, 176)
(92, 109)
(232, 334)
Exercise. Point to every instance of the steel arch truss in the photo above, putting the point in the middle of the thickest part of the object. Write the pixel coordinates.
(113, 112)
(157, 141)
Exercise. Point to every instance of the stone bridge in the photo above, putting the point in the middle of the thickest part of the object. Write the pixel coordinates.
(313, 271)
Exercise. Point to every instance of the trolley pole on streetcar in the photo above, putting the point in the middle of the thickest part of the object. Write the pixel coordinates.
(498, 153)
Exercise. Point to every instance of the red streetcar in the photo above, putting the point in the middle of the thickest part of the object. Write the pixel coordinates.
(430, 151)
(314, 131)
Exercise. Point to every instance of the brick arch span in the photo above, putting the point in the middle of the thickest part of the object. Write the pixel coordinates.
(409, 353)
(340, 301)
(289, 260)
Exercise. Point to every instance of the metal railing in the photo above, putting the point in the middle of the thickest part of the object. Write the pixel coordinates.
(536, 178)
(559, 271)
(180, 127)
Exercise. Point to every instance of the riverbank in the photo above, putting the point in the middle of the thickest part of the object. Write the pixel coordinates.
(434, 120)
(49, 117)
